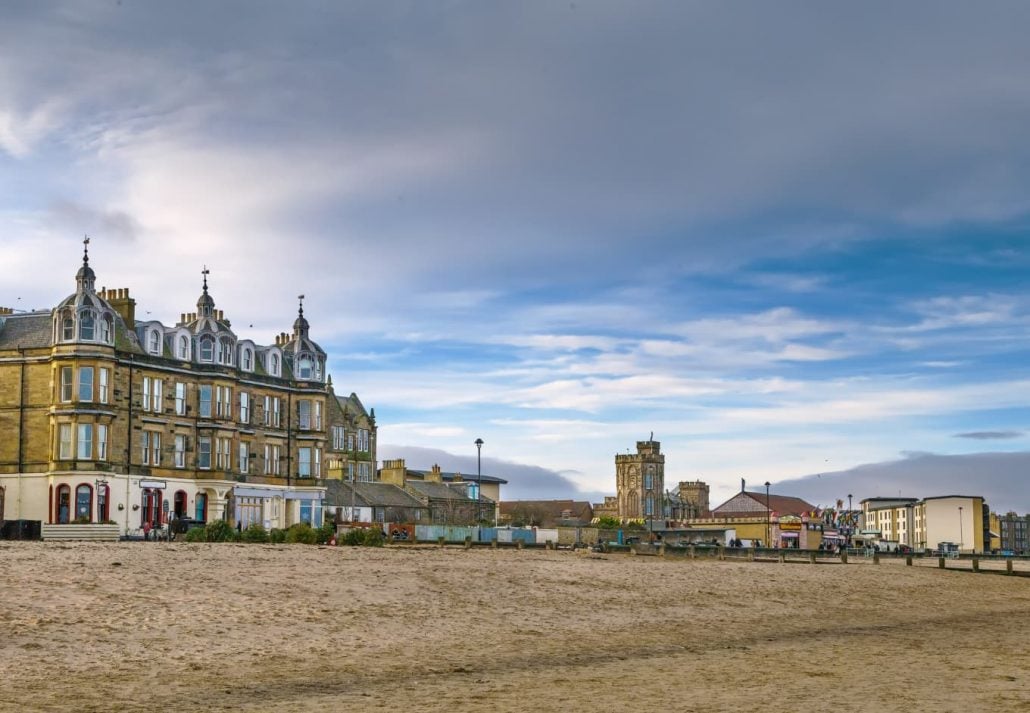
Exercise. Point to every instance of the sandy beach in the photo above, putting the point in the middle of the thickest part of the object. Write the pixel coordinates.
(134, 626)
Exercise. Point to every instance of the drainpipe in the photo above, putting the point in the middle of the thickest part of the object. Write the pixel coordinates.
(21, 425)
(128, 449)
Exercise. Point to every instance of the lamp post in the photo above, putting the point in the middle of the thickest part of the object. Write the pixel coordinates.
(479, 473)
(768, 513)
(959, 528)
(851, 522)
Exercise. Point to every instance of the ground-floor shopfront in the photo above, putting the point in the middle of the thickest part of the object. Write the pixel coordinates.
(138, 503)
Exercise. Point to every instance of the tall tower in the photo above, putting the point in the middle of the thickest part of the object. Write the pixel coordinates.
(640, 481)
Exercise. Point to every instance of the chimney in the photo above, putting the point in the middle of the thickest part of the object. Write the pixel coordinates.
(124, 305)
(434, 475)
(6, 310)
(393, 472)
(742, 485)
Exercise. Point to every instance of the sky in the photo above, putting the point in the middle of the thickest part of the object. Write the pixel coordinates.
(790, 239)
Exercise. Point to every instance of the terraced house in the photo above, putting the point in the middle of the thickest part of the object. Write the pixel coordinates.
(104, 417)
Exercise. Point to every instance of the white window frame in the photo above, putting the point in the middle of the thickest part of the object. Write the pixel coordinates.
(304, 462)
(84, 441)
(101, 441)
(244, 407)
(180, 398)
(201, 391)
(103, 385)
(65, 445)
(180, 451)
(244, 457)
(67, 384)
(83, 372)
(204, 449)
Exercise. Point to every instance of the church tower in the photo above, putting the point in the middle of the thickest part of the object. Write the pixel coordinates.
(640, 481)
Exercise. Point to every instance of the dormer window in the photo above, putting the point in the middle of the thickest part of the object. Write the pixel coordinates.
(155, 342)
(274, 365)
(106, 329)
(224, 351)
(304, 367)
(207, 349)
(87, 326)
(248, 360)
(184, 348)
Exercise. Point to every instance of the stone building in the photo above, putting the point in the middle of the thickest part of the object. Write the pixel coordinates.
(640, 481)
(108, 418)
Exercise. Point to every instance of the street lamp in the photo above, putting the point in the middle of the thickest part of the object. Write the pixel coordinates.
(959, 528)
(851, 521)
(767, 513)
(479, 473)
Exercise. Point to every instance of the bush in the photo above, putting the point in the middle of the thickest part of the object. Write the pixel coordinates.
(220, 531)
(277, 536)
(326, 533)
(196, 534)
(302, 533)
(607, 522)
(361, 537)
(255, 532)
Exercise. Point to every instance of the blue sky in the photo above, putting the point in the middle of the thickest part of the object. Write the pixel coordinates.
(789, 239)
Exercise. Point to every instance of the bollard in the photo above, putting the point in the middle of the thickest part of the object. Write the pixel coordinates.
(549, 545)
(876, 558)
(811, 557)
(843, 556)
(661, 550)
(781, 557)
(940, 563)
(441, 540)
(468, 542)
(722, 553)
(519, 544)
(751, 555)
(908, 560)
(493, 542)
(976, 565)
(1008, 566)
(693, 552)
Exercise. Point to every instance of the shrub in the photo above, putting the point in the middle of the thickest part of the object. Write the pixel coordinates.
(196, 534)
(326, 533)
(607, 522)
(220, 531)
(362, 537)
(277, 536)
(255, 532)
(302, 533)
(81, 520)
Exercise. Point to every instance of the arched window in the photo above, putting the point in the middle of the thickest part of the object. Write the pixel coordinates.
(63, 504)
(184, 347)
(155, 342)
(84, 503)
(207, 349)
(248, 360)
(67, 328)
(318, 368)
(304, 367)
(274, 361)
(107, 329)
(87, 325)
(180, 504)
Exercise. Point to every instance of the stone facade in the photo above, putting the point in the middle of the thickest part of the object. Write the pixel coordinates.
(108, 418)
(640, 482)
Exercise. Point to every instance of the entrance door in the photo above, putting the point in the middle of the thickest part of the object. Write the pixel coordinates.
(180, 504)
(201, 507)
(64, 504)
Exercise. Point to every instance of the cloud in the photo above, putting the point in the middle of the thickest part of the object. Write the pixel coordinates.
(525, 482)
(990, 435)
(998, 477)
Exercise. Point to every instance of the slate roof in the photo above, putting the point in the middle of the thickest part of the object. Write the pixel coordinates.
(30, 330)
(467, 477)
(779, 504)
(552, 509)
(369, 495)
(439, 491)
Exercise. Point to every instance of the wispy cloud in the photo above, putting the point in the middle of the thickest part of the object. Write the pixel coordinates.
(990, 435)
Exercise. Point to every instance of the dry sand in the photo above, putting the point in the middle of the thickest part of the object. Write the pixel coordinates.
(159, 627)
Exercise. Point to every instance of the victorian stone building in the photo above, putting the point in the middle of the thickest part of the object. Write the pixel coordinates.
(104, 417)
(640, 481)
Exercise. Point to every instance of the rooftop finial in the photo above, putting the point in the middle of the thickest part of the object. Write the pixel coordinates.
(205, 272)
(301, 309)
(85, 250)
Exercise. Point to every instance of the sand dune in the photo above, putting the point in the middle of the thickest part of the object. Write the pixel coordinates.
(133, 626)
